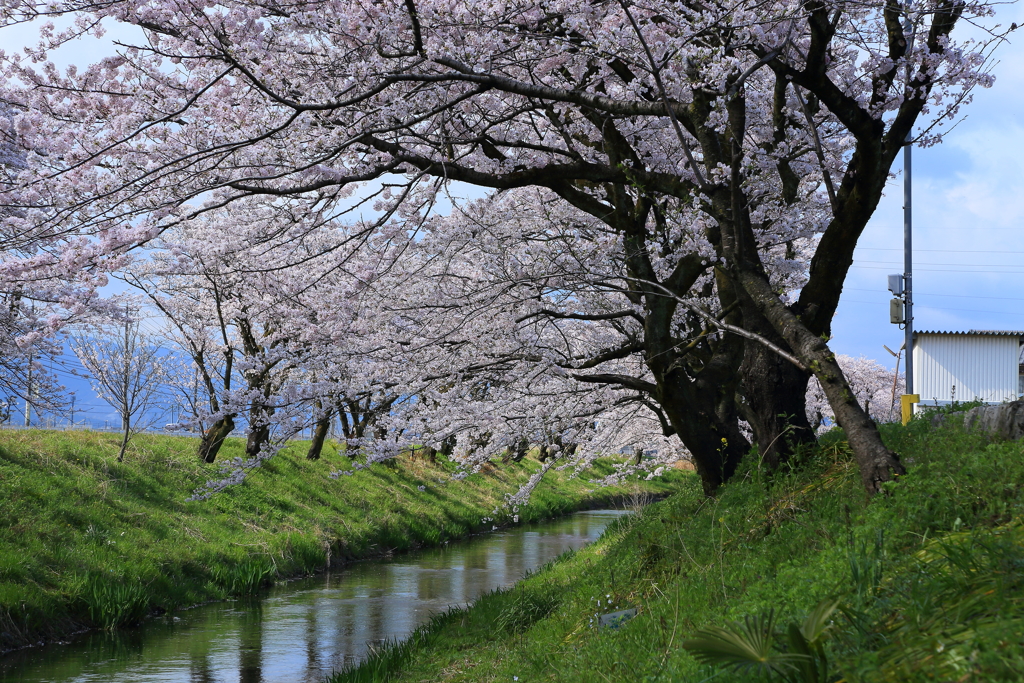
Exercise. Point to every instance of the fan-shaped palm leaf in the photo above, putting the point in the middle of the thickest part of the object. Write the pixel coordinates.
(743, 646)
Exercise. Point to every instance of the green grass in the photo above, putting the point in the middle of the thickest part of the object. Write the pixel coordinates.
(86, 541)
(929, 577)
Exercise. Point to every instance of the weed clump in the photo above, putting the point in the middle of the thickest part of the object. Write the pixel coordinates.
(112, 602)
(527, 605)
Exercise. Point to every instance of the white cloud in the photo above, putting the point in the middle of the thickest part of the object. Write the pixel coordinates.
(968, 201)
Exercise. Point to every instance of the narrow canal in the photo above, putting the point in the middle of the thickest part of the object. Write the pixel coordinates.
(301, 631)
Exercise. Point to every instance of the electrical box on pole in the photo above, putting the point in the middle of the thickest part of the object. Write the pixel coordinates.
(896, 284)
(896, 306)
(896, 312)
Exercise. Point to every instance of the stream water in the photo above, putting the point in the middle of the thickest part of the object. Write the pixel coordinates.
(301, 631)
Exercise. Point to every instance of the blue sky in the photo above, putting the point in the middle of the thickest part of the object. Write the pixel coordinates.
(968, 222)
(968, 206)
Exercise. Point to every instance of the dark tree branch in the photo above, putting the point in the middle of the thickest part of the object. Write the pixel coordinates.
(581, 316)
(622, 380)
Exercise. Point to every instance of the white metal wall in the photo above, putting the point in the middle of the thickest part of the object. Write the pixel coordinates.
(980, 367)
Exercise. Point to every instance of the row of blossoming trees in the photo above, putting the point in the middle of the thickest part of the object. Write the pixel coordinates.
(675, 191)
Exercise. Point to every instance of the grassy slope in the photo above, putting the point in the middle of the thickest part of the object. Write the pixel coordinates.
(86, 541)
(930, 575)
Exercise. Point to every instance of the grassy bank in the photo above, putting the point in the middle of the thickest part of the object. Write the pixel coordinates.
(929, 579)
(86, 541)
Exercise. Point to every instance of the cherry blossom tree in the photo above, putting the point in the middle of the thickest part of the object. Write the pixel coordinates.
(36, 302)
(263, 302)
(522, 286)
(223, 317)
(197, 329)
(705, 138)
(406, 340)
(874, 386)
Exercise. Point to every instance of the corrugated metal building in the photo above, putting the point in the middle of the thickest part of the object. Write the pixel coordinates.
(983, 365)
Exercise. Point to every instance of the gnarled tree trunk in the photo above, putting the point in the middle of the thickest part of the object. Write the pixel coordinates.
(213, 438)
(704, 419)
(876, 462)
(774, 394)
(258, 437)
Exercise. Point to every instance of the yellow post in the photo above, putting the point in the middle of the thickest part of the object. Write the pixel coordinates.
(905, 401)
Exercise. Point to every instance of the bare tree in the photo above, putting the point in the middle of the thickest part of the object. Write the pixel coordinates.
(127, 372)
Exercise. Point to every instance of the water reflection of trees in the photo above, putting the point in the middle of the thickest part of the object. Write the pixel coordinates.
(200, 669)
(312, 639)
(433, 585)
(250, 645)
(320, 625)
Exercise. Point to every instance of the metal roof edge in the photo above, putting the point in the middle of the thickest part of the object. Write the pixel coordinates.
(975, 333)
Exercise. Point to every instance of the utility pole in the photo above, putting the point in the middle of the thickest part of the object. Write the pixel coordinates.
(908, 400)
(72, 411)
(908, 267)
(127, 364)
(28, 387)
(28, 395)
(901, 310)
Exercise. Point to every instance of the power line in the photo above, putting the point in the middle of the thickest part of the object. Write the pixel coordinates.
(162, 393)
(945, 251)
(950, 270)
(965, 265)
(940, 308)
(958, 296)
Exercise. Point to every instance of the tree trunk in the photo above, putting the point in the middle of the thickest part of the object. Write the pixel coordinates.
(517, 452)
(126, 425)
(347, 429)
(478, 442)
(698, 395)
(774, 394)
(739, 244)
(702, 408)
(695, 373)
(214, 437)
(258, 437)
(717, 449)
(877, 463)
(521, 449)
(323, 425)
